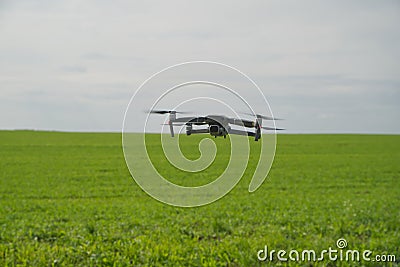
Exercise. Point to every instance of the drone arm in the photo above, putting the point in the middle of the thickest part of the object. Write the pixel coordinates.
(273, 129)
(172, 118)
(241, 122)
(238, 132)
(184, 119)
(171, 128)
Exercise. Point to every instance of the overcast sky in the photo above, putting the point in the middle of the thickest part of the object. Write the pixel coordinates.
(324, 66)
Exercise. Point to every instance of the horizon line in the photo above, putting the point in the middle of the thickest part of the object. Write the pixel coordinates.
(120, 132)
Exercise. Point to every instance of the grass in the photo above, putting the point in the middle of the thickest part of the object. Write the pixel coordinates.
(68, 199)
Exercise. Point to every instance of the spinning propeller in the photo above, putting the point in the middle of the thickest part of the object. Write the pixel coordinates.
(155, 111)
(259, 116)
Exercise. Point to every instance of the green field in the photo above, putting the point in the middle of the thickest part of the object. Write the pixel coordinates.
(69, 199)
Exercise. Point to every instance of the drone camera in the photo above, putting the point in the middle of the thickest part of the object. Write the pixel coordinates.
(215, 130)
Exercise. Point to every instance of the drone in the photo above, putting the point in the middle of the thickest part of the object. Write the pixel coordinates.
(218, 125)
